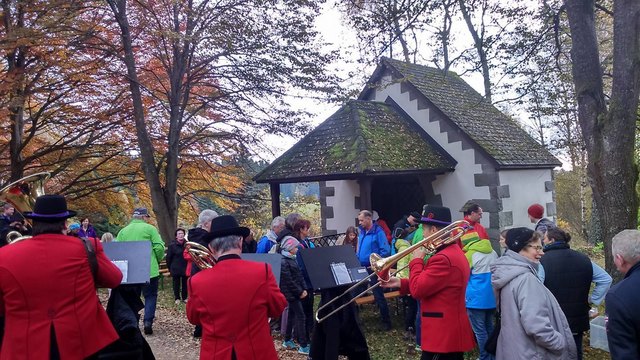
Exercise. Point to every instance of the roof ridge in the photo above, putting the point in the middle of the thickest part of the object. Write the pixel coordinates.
(408, 64)
(360, 140)
(497, 134)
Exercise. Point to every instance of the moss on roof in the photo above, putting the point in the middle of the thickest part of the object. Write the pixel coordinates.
(362, 137)
(494, 132)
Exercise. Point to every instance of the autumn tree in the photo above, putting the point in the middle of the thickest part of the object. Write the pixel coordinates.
(55, 115)
(477, 36)
(207, 78)
(607, 121)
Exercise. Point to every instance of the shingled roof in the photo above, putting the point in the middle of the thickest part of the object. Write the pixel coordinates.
(496, 134)
(363, 137)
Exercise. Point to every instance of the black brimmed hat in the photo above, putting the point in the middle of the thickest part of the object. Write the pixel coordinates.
(50, 208)
(225, 225)
(435, 215)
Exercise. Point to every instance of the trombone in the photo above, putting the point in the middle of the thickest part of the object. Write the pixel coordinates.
(200, 255)
(382, 266)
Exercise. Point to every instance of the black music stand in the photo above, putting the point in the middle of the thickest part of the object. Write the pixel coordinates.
(340, 334)
(318, 262)
(134, 256)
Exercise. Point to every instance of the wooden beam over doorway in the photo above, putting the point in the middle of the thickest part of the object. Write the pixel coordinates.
(365, 193)
(275, 199)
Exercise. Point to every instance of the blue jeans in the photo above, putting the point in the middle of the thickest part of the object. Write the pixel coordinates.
(381, 302)
(482, 324)
(150, 293)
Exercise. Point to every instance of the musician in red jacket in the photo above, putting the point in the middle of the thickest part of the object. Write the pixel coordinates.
(47, 291)
(439, 285)
(234, 323)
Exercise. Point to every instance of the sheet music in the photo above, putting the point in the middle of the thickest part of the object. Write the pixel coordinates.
(123, 265)
(340, 273)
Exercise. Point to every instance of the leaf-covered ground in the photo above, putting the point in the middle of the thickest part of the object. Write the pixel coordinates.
(172, 338)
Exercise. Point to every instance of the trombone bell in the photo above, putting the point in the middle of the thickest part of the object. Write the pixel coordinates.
(200, 255)
(382, 266)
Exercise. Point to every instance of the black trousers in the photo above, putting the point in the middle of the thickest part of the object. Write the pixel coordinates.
(410, 312)
(296, 320)
(177, 281)
(437, 356)
(307, 306)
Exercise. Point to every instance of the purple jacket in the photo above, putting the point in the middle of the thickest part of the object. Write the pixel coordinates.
(90, 233)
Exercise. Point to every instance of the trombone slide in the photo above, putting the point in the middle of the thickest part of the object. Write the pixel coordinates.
(382, 266)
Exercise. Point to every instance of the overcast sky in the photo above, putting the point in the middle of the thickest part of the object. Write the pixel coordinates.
(339, 37)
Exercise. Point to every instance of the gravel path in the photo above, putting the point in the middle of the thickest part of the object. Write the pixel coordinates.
(172, 337)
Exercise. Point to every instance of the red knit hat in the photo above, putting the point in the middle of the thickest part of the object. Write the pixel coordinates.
(536, 211)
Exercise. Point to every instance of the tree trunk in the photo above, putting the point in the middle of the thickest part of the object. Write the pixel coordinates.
(398, 33)
(164, 202)
(479, 45)
(606, 131)
(15, 59)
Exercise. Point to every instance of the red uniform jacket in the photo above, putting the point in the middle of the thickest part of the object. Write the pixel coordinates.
(45, 284)
(440, 287)
(233, 301)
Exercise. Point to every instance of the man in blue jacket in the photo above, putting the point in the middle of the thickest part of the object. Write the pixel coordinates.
(623, 325)
(372, 239)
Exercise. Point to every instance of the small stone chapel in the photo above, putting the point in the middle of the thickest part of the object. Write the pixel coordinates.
(417, 135)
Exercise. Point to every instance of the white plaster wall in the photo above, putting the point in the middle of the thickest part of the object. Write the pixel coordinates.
(457, 187)
(343, 202)
(526, 187)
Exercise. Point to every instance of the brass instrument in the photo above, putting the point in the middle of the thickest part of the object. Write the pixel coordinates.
(382, 266)
(200, 255)
(22, 195)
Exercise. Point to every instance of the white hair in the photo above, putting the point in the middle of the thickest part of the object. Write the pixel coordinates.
(626, 243)
(226, 243)
(291, 220)
(206, 216)
(277, 221)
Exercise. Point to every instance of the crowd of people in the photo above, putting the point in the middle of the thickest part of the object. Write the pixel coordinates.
(531, 299)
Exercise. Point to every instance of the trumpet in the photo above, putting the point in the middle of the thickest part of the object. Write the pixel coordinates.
(200, 255)
(382, 266)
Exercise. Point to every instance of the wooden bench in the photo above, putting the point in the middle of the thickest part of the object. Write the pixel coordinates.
(164, 273)
(369, 299)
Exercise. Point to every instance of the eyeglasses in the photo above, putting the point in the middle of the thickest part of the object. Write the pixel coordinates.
(536, 247)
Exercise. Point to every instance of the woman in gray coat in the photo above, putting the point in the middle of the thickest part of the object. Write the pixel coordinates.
(533, 325)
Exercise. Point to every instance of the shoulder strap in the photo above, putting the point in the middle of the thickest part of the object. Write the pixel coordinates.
(91, 257)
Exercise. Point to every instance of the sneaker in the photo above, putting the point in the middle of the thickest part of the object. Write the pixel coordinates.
(178, 301)
(303, 350)
(148, 330)
(289, 345)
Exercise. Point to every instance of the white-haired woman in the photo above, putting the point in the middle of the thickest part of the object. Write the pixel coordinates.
(533, 325)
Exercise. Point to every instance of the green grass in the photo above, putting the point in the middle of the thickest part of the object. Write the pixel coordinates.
(383, 345)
